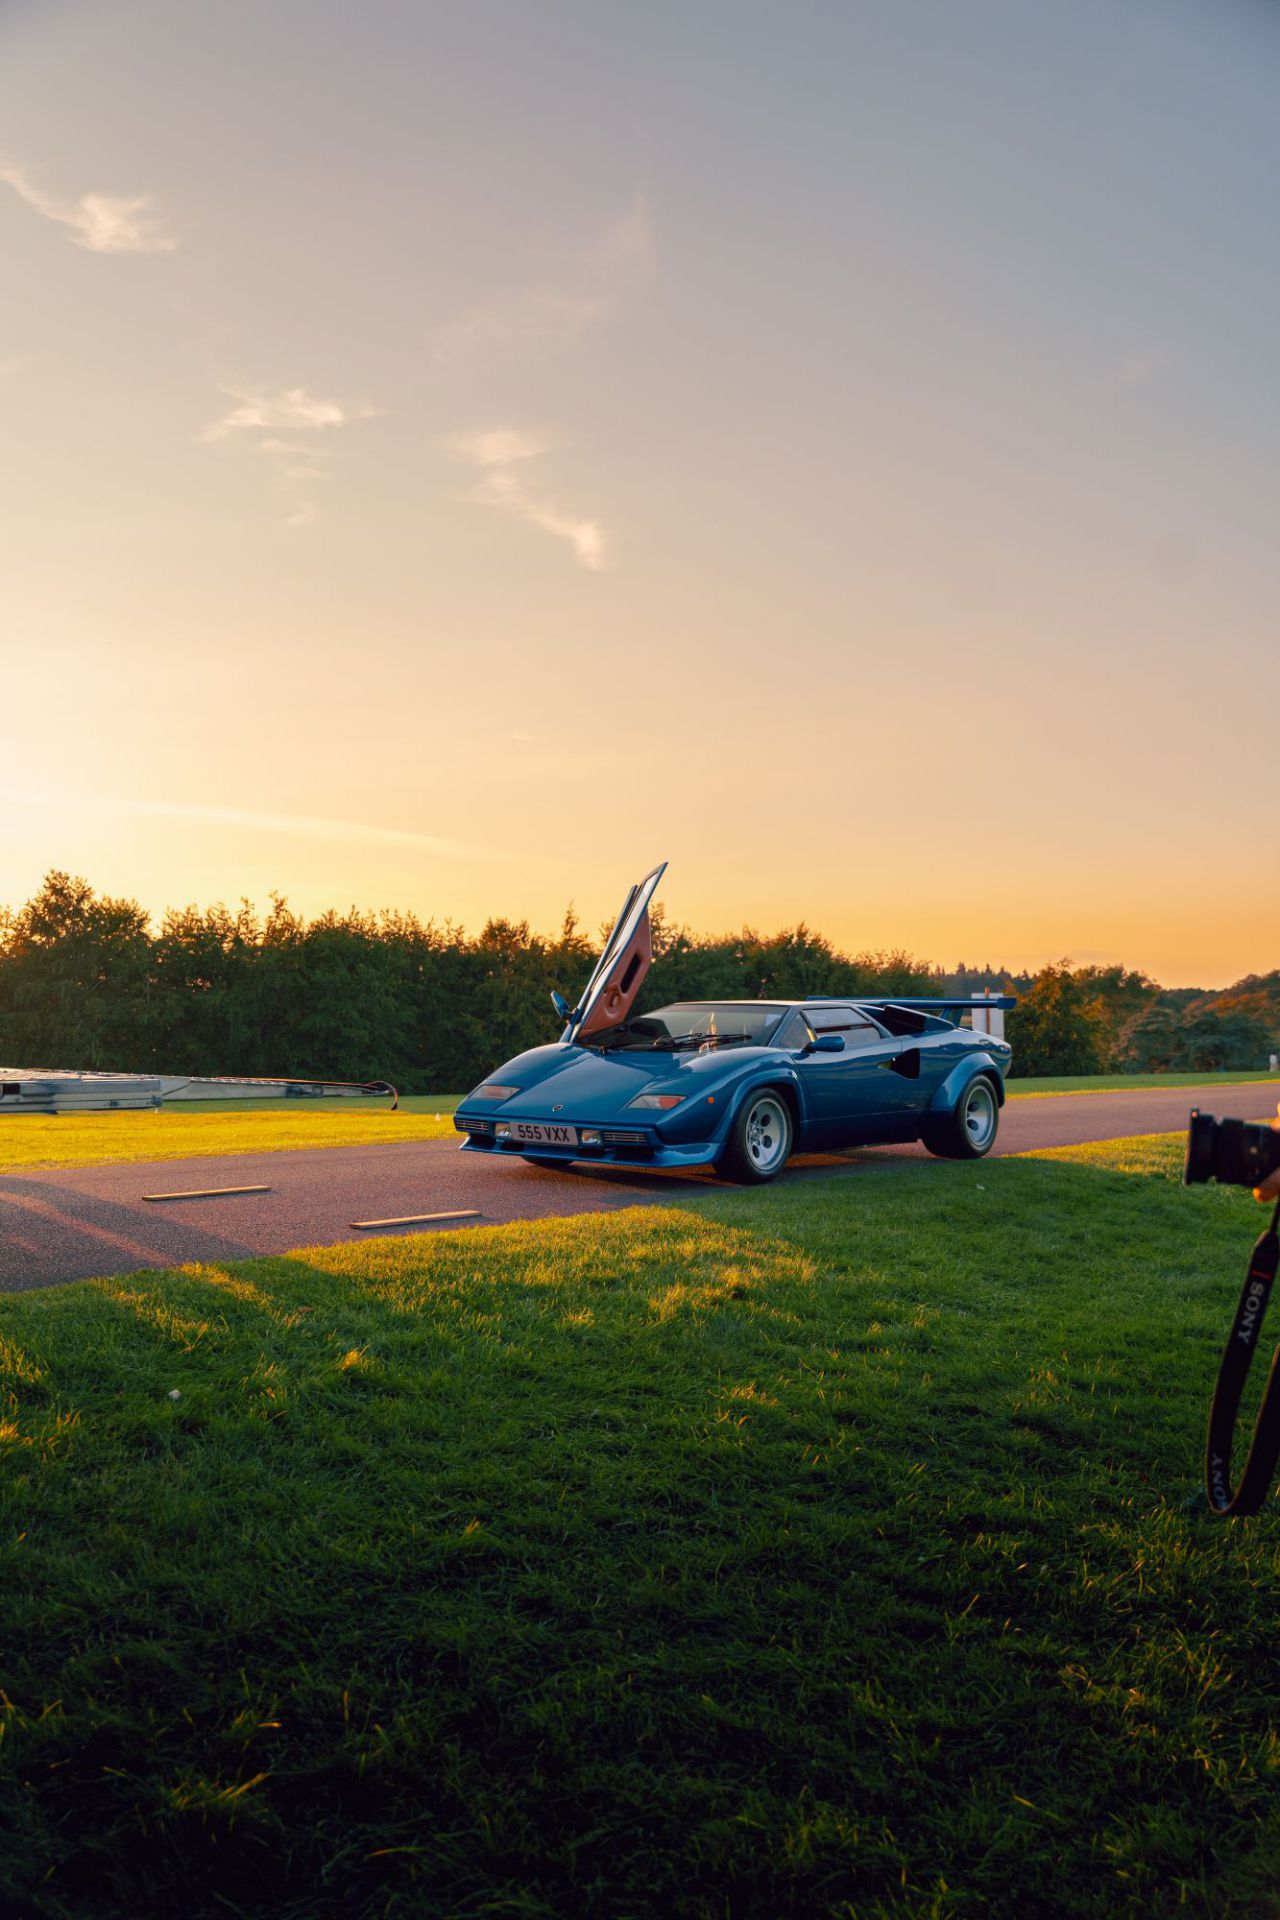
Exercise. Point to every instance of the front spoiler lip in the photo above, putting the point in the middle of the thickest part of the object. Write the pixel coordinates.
(696, 1156)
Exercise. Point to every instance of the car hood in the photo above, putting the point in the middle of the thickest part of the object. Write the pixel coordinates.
(621, 968)
(585, 1084)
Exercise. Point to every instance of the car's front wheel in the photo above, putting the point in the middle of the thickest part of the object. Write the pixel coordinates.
(759, 1143)
(969, 1130)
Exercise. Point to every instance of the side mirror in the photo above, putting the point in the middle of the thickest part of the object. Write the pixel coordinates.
(561, 1005)
(826, 1043)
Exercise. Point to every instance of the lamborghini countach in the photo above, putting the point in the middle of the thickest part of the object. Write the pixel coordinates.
(738, 1085)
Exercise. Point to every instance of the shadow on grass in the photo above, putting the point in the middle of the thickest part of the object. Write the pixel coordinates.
(809, 1551)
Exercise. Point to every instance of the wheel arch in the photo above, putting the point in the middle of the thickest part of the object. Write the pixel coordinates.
(969, 1069)
(771, 1083)
(736, 1159)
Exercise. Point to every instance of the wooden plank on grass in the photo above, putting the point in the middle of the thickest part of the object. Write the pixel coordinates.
(420, 1219)
(204, 1193)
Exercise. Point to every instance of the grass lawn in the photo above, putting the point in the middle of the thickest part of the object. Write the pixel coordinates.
(217, 1126)
(816, 1551)
(1127, 1082)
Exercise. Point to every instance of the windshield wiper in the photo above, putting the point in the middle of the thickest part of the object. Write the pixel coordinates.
(664, 1042)
(634, 1042)
(709, 1039)
(621, 1040)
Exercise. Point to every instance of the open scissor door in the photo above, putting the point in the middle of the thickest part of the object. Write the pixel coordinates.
(621, 969)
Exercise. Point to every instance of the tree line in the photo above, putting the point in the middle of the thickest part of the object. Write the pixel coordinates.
(86, 981)
(1110, 1020)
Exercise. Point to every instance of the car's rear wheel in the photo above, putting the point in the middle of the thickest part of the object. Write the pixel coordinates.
(759, 1143)
(969, 1130)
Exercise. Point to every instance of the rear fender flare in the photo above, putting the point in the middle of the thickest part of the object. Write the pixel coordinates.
(948, 1094)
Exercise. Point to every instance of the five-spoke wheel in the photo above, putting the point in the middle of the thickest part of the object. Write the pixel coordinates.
(969, 1130)
(759, 1142)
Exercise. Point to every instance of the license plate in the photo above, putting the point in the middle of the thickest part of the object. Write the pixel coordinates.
(544, 1135)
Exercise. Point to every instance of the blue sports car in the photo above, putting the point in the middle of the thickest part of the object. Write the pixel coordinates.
(736, 1084)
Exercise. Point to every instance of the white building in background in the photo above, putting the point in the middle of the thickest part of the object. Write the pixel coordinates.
(988, 1019)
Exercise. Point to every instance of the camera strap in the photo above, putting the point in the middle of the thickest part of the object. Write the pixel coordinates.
(1264, 1448)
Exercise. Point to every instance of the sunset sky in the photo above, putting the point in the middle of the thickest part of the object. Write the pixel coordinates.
(457, 455)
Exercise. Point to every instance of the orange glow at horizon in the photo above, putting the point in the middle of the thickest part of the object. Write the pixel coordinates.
(439, 517)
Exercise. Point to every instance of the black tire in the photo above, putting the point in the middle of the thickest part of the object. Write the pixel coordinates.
(759, 1143)
(969, 1131)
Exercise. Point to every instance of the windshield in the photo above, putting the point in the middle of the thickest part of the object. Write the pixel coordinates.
(697, 1023)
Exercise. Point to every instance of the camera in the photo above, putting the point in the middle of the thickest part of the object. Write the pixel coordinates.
(1240, 1153)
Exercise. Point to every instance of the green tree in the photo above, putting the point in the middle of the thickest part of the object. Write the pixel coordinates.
(1052, 1029)
(202, 958)
(85, 983)
(1216, 1037)
(77, 980)
(1114, 997)
(1153, 1041)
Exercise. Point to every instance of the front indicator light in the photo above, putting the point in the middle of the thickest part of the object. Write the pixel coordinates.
(590, 1137)
(492, 1091)
(664, 1101)
(502, 1131)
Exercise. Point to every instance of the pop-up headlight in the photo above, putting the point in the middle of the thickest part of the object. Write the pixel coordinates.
(662, 1101)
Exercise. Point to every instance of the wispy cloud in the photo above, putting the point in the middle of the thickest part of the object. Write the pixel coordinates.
(584, 291)
(298, 461)
(295, 463)
(499, 447)
(304, 826)
(99, 222)
(292, 410)
(502, 454)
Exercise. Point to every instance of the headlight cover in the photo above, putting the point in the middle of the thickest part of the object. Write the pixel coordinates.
(662, 1101)
(491, 1090)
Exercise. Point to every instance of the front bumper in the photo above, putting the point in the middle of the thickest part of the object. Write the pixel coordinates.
(619, 1146)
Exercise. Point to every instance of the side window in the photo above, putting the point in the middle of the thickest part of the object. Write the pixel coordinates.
(793, 1034)
(830, 1019)
(863, 1033)
(855, 1028)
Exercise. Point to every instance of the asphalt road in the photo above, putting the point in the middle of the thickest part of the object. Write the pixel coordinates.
(80, 1222)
